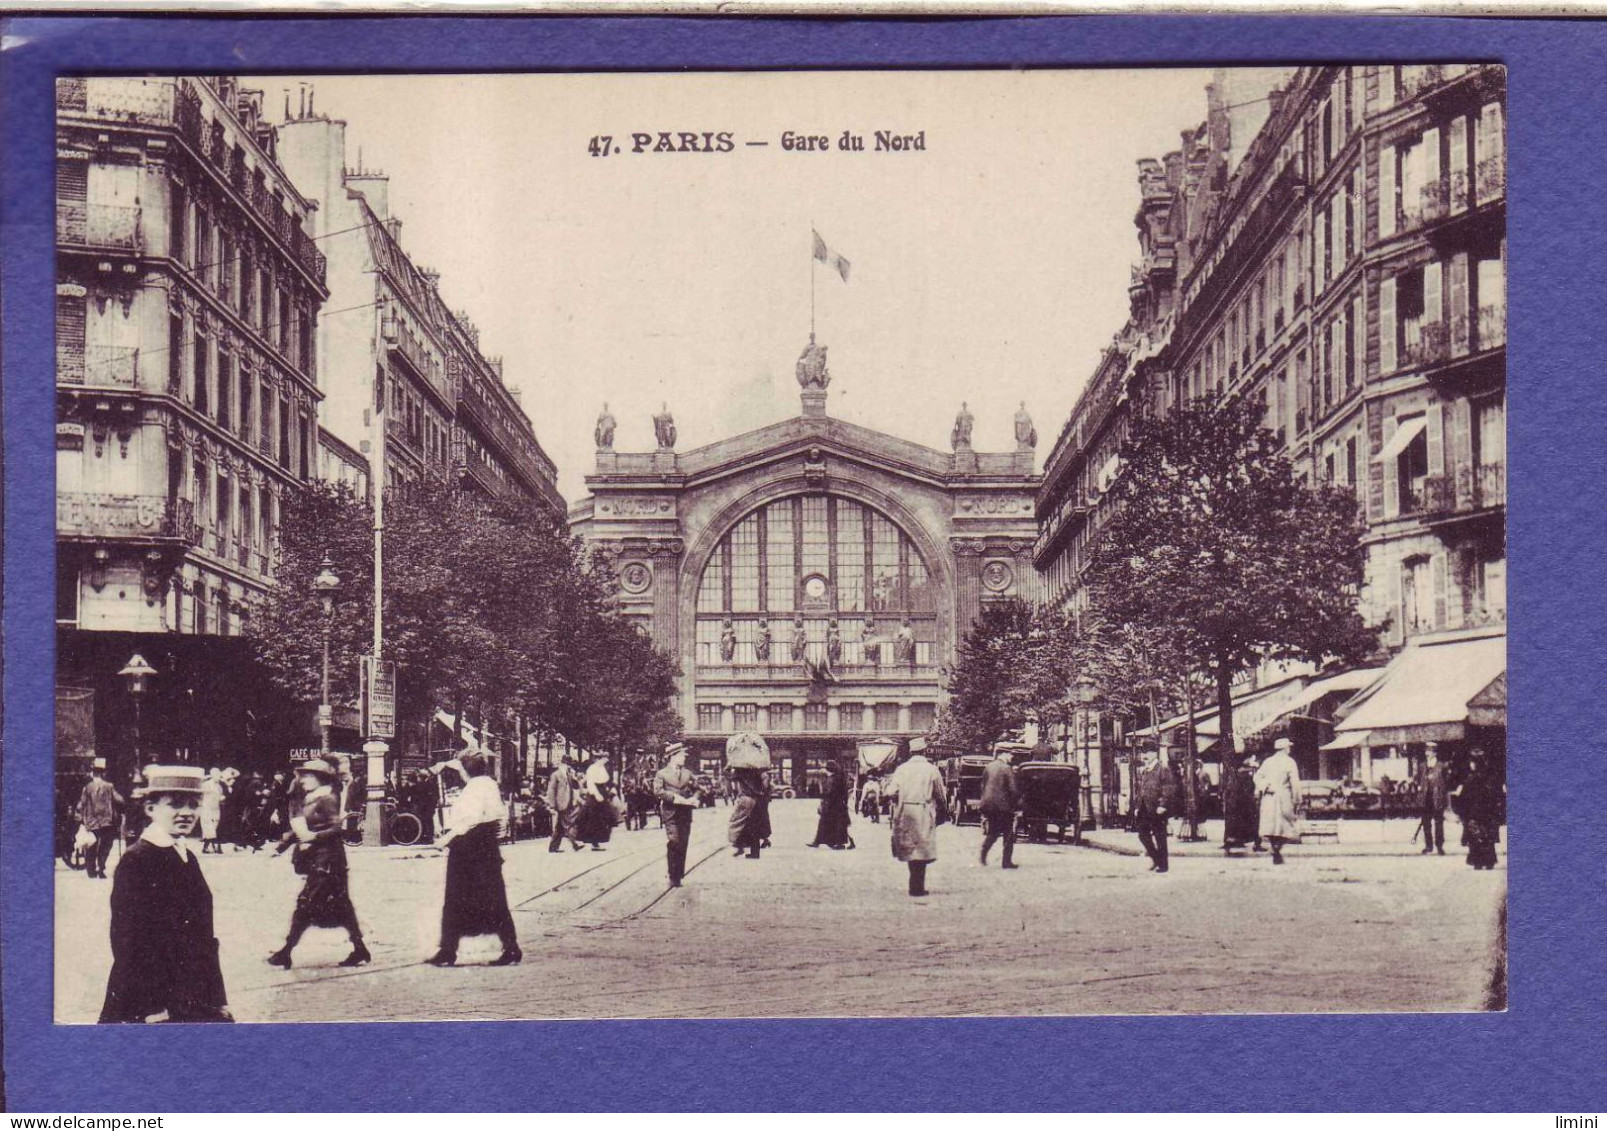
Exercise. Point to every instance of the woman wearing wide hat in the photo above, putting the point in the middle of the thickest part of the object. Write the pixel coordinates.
(476, 899)
(325, 899)
(164, 953)
(832, 828)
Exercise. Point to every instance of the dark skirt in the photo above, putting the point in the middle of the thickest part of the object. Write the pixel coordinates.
(596, 821)
(1242, 816)
(833, 826)
(1481, 836)
(476, 900)
(750, 821)
(325, 899)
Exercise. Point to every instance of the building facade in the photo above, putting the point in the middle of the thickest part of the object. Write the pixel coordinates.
(188, 286)
(448, 415)
(812, 576)
(1346, 267)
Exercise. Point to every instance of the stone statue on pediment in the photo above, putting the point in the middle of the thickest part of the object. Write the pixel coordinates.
(811, 369)
(761, 643)
(800, 639)
(1026, 434)
(960, 438)
(664, 428)
(605, 429)
(867, 641)
(834, 643)
(728, 641)
(904, 643)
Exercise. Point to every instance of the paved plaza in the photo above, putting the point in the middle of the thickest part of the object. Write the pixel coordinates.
(815, 932)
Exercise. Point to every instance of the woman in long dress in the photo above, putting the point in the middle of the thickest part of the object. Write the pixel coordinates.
(164, 951)
(1277, 785)
(750, 816)
(325, 899)
(919, 802)
(832, 829)
(1481, 813)
(596, 820)
(476, 899)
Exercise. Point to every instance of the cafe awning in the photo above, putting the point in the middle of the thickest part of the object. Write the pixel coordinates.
(1425, 694)
(1351, 682)
(1489, 707)
(1404, 435)
(1252, 712)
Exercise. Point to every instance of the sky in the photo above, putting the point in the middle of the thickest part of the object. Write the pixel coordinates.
(990, 266)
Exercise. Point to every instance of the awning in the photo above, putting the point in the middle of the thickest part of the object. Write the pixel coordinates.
(1351, 681)
(1404, 435)
(1425, 693)
(1252, 712)
(1489, 707)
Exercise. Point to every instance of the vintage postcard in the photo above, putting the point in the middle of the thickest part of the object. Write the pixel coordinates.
(789, 544)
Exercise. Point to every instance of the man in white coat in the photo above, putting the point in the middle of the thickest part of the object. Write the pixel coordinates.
(1277, 786)
(919, 802)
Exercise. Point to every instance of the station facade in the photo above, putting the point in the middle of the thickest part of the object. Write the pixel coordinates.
(813, 577)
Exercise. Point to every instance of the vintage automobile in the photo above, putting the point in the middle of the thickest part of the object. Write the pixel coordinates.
(1050, 792)
(962, 777)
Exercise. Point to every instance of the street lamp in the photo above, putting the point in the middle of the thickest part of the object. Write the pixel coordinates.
(136, 671)
(1083, 693)
(326, 585)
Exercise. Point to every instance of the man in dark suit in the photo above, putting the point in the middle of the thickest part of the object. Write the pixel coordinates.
(1435, 796)
(1001, 797)
(98, 808)
(1154, 801)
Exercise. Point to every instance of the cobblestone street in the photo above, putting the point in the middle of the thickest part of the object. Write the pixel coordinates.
(815, 932)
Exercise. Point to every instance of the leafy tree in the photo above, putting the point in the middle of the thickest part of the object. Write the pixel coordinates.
(984, 699)
(1216, 545)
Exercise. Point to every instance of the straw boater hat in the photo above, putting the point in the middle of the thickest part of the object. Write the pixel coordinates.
(98, 764)
(171, 779)
(673, 749)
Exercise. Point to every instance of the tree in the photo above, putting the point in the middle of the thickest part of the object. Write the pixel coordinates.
(1217, 545)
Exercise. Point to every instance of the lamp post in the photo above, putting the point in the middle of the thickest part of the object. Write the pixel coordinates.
(1083, 694)
(137, 671)
(326, 585)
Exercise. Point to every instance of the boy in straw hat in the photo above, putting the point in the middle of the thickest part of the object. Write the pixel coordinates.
(164, 953)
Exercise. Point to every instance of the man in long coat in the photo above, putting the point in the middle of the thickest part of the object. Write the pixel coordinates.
(1435, 796)
(919, 802)
(564, 800)
(1153, 804)
(1001, 797)
(1277, 786)
(675, 786)
(98, 807)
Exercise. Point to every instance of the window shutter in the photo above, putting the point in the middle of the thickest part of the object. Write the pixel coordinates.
(1392, 600)
(1386, 327)
(70, 317)
(1457, 296)
(1431, 156)
(1439, 591)
(1337, 252)
(1459, 165)
(1433, 292)
(1319, 256)
(1358, 338)
(1436, 439)
(1461, 447)
(1386, 87)
(1388, 159)
(1392, 497)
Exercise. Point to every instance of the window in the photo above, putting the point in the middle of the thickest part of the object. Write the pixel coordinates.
(178, 217)
(1417, 595)
(175, 354)
(66, 590)
(708, 716)
(816, 716)
(747, 716)
(781, 717)
(200, 376)
(247, 418)
(1490, 301)
(1350, 462)
(284, 433)
(225, 380)
(851, 717)
(922, 717)
(887, 716)
(200, 608)
(223, 516)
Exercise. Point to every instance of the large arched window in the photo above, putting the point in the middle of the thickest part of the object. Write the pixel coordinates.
(819, 557)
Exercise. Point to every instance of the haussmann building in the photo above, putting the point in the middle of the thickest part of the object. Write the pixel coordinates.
(812, 576)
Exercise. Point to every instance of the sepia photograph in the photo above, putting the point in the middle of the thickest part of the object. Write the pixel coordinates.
(780, 544)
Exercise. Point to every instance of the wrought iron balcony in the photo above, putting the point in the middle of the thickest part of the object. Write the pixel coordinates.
(98, 366)
(1433, 494)
(1485, 484)
(113, 227)
(1492, 327)
(1430, 344)
(90, 515)
(1490, 179)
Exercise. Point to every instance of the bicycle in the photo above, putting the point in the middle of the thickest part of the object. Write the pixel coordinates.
(402, 827)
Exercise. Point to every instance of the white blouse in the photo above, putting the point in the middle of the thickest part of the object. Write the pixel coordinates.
(479, 803)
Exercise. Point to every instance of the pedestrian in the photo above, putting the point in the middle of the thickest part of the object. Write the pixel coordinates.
(99, 806)
(1241, 814)
(1481, 807)
(750, 816)
(563, 798)
(1433, 797)
(1153, 803)
(675, 786)
(212, 791)
(320, 857)
(1277, 785)
(870, 801)
(832, 828)
(164, 952)
(1244, 779)
(476, 900)
(595, 823)
(1001, 799)
(919, 804)
(231, 824)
